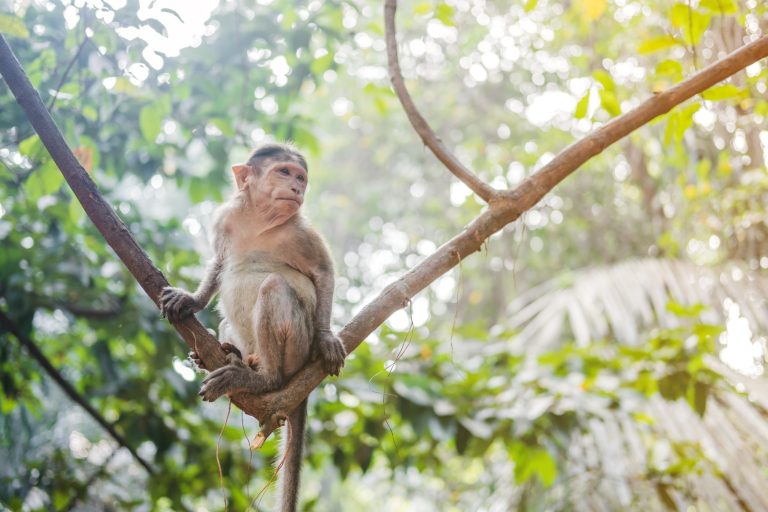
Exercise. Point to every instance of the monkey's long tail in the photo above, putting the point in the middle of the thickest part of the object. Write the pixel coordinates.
(293, 446)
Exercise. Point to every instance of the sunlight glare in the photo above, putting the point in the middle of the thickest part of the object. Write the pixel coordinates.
(399, 321)
(186, 373)
(550, 105)
(182, 31)
(740, 352)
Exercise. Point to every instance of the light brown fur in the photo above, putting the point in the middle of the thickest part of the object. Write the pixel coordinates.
(276, 282)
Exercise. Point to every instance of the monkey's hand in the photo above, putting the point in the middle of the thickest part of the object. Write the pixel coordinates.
(331, 351)
(177, 304)
(234, 377)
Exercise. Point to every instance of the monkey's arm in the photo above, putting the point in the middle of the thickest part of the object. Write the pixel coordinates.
(328, 344)
(177, 304)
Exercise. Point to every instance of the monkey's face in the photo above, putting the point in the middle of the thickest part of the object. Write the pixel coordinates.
(281, 186)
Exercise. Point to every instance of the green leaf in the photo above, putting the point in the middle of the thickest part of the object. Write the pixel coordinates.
(682, 311)
(30, 146)
(604, 79)
(75, 211)
(45, 180)
(7, 404)
(321, 64)
(533, 461)
(721, 92)
(720, 6)
(415, 388)
(422, 8)
(582, 105)
(686, 120)
(656, 43)
(670, 68)
(609, 102)
(530, 5)
(13, 26)
(444, 13)
(674, 385)
(198, 190)
(591, 9)
(543, 465)
(697, 397)
(224, 125)
(692, 23)
(671, 127)
(124, 86)
(150, 121)
(306, 139)
(89, 113)
(641, 417)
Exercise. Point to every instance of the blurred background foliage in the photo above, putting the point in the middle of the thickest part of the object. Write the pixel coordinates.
(605, 352)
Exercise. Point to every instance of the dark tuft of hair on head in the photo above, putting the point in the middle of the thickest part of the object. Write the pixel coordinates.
(278, 152)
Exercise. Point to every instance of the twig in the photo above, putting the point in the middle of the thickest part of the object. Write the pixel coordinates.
(68, 389)
(478, 186)
(64, 75)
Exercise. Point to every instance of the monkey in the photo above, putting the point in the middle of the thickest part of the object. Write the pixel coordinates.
(275, 277)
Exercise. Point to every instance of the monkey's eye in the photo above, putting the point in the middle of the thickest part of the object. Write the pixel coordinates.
(302, 178)
(284, 171)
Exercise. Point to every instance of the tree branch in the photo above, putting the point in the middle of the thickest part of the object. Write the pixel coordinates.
(531, 190)
(504, 208)
(37, 354)
(478, 186)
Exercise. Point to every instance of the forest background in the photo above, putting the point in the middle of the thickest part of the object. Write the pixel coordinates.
(605, 351)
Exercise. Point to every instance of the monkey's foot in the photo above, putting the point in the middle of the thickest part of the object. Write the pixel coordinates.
(177, 304)
(229, 348)
(226, 347)
(331, 350)
(227, 380)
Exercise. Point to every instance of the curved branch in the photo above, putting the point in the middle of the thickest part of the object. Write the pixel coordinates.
(478, 186)
(68, 389)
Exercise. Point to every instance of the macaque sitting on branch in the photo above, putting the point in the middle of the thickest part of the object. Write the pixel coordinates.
(276, 280)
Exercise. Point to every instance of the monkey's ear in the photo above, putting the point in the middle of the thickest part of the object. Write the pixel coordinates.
(241, 172)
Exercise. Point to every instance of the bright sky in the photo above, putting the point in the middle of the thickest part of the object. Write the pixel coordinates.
(184, 30)
(185, 23)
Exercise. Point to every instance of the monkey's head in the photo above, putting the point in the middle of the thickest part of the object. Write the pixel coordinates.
(275, 178)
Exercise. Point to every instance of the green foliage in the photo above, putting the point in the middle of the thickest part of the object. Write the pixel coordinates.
(13, 26)
(448, 401)
(691, 22)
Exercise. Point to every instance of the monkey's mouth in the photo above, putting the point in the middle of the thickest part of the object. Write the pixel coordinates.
(292, 199)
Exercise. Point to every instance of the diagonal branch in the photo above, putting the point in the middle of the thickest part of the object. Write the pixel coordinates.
(430, 139)
(504, 208)
(34, 351)
(531, 190)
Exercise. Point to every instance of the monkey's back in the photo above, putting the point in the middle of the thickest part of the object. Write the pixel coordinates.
(241, 279)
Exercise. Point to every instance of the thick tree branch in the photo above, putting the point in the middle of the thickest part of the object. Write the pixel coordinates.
(36, 354)
(101, 214)
(531, 190)
(478, 186)
(504, 208)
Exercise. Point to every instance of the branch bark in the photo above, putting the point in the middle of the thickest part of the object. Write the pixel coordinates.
(36, 354)
(478, 186)
(504, 207)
